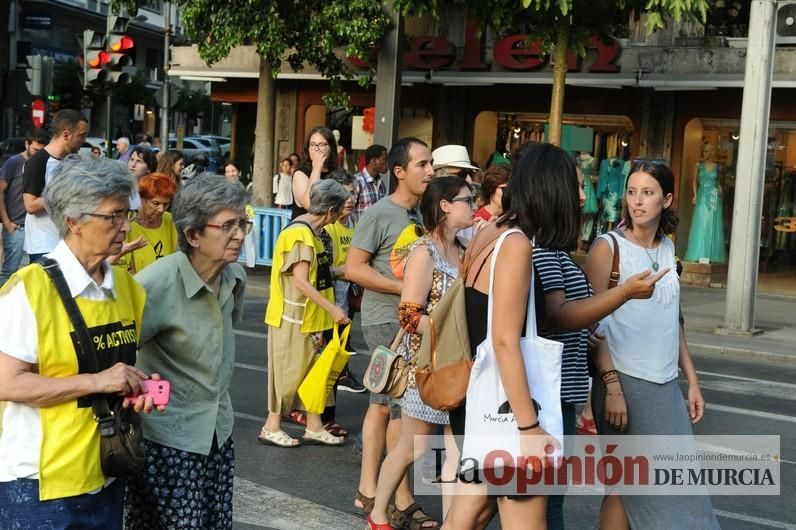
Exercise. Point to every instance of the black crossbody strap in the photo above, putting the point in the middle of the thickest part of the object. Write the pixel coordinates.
(85, 350)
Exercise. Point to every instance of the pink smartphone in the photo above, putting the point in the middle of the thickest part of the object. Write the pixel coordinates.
(159, 390)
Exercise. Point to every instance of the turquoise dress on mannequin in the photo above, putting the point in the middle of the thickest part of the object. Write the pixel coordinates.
(706, 239)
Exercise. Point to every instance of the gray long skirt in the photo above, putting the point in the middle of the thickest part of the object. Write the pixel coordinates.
(654, 408)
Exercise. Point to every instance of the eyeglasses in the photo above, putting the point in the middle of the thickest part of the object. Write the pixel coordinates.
(467, 199)
(244, 225)
(319, 146)
(414, 218)
(117, 218)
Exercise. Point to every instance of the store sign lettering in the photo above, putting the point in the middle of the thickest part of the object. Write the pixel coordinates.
(514, 52)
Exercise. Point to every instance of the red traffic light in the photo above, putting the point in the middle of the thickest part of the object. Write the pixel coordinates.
(96, 59)
(121, 42)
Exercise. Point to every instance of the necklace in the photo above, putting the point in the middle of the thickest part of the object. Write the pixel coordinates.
(655, 265)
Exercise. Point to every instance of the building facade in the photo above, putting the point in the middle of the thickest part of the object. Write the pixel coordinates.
(674, 96)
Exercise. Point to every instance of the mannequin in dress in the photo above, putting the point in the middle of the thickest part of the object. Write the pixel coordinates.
(706, 237)
(590, 206)
(342, 160)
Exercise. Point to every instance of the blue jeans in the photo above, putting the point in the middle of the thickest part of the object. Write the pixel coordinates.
(12, 253)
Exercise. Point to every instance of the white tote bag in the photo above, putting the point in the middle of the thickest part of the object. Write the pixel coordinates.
(490, 424)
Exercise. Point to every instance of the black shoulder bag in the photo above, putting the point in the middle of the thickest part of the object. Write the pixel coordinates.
(121, 435)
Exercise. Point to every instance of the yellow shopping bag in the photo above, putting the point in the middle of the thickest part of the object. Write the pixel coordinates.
(315, 388)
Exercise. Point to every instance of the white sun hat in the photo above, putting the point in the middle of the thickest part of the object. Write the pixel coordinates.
(451, 156)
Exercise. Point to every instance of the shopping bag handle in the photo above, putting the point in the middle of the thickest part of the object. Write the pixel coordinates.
(341, 339)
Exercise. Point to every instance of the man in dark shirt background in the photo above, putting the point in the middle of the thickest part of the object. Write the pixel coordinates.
(70, 129)
(12, 207)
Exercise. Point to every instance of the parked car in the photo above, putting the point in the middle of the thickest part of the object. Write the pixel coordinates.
(191, 147)
(10, 147)
(223, 142)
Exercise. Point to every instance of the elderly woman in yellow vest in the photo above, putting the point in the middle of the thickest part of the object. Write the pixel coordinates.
(301, 306)
(194, 297)
(50, 472)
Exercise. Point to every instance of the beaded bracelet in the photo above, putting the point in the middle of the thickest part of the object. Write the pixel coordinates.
(606, 373)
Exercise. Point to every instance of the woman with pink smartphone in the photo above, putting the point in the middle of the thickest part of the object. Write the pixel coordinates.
(190, 452)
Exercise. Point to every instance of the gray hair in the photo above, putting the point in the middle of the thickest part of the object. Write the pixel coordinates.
(79, 185)
(201, 198)
(326, 195)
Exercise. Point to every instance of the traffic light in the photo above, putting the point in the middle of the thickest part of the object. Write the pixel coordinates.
(118, 46)
(94, 57)
(47, 75)
(786, 23)
(33, 73)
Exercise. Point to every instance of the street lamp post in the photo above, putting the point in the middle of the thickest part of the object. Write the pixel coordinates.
(739, 316)
(166, 103)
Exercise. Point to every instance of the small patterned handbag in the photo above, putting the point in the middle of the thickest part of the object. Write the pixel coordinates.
(388, 371)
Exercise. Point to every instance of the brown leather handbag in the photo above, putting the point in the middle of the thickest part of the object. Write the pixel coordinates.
(445, 358)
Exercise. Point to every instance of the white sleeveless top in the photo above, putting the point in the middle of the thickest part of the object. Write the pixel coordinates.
(644, 335)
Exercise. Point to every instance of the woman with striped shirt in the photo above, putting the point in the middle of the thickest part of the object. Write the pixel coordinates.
(568, 309)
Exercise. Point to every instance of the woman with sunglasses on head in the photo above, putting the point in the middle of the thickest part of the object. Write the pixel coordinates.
(431, 267)
(320, 158)
(153, 223)
(646, 343)
(300, 308)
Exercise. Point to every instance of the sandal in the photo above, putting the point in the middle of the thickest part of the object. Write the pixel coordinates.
(279, 438)
(378, 526)
(322, 438)
(299, 417)
(335, 429)
(367, 504)
(405, 519)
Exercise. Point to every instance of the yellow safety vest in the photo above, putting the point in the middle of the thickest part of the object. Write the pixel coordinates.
(315, 318)
(69, 459)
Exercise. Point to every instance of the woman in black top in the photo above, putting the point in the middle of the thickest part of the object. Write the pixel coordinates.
(530, 204)
(320, 158)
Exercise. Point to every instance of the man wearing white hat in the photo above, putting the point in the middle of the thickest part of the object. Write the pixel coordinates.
(453, 160)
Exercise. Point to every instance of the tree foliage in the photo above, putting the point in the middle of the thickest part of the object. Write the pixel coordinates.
(538, 18)
(295, 31)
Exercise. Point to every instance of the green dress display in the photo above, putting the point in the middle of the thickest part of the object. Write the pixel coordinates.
(706, 239)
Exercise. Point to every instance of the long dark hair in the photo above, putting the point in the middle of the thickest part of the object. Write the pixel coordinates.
(331, 162)
(663, 174)
(439, 189)
(541, 197)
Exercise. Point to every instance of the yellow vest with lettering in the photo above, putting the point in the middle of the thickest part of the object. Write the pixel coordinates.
(341, 239)
(69, 457)
(315, 318)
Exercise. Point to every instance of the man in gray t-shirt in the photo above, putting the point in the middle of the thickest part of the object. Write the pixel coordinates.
(12, 207)
(375, 262)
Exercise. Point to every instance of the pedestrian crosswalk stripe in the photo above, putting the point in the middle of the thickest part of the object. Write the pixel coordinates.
(258, 505)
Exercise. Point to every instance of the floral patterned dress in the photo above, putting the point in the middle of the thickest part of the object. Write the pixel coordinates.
(443, 276)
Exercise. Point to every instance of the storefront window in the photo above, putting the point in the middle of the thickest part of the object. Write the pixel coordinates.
(707, 194)
(600, 144)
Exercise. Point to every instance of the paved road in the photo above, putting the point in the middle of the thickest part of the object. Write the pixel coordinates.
(313, 487)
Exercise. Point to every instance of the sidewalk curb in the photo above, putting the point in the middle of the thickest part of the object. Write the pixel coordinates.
(713, 350)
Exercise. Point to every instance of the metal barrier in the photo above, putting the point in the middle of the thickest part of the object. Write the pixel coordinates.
(268, 222)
